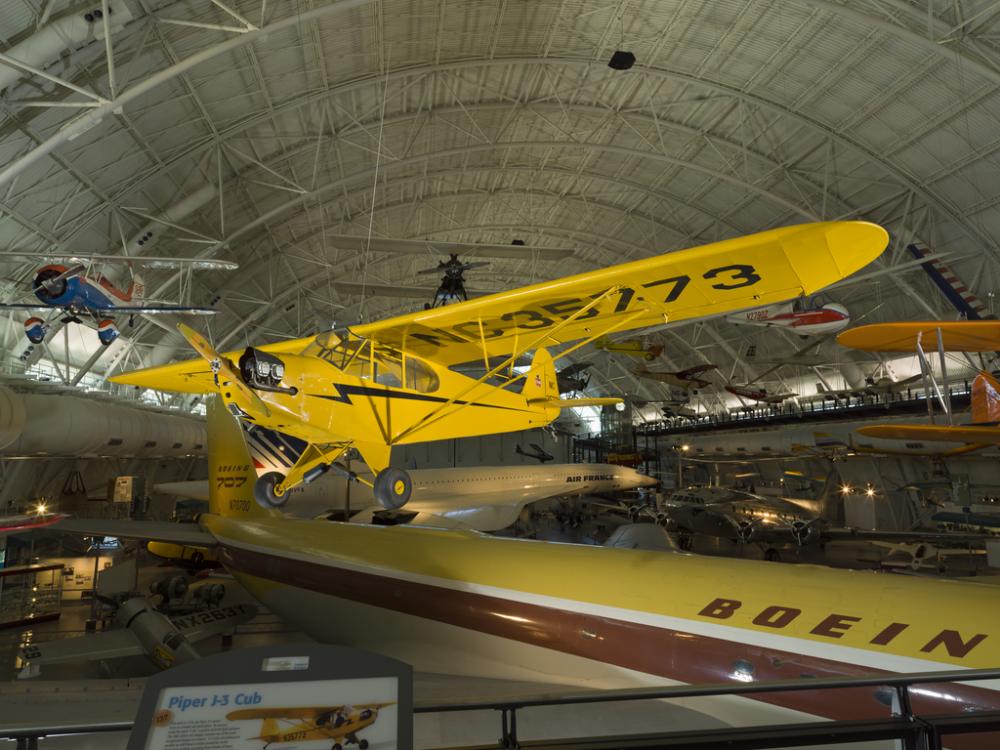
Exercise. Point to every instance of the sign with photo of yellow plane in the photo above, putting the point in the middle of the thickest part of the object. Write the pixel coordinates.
(392, 382)
(358, 712)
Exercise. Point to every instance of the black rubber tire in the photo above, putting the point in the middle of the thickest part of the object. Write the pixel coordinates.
(363, 744)
(392, 488)
(263, 491)
(336, 746)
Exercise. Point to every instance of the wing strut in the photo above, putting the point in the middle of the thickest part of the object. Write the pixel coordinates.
(439, 412)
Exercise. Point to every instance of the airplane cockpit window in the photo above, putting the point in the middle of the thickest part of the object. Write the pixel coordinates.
(353, 355)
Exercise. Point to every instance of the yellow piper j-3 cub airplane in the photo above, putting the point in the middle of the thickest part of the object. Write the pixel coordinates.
(389, 383)
(338, 723)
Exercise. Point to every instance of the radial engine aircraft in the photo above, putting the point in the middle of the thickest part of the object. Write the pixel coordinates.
(338, 723)
(389, 383)
(67, 285)
(806, 316)
(750, 518)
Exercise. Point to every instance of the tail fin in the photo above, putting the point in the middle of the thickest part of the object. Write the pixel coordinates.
(985, 399)
(831, 500)
(136, 289)
(231, 473)
(541, 383)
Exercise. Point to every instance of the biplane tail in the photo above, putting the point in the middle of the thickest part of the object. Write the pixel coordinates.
(985, 399)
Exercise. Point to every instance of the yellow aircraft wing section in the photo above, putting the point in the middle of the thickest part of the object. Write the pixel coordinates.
(734, 274)
(972, 434)
(303, 713)
(750, 271)
(956, 336)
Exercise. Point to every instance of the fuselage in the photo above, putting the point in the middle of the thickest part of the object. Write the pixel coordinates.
(451, 491)
(804, 319)
(462, 603)
(81, 292)
(732, 514)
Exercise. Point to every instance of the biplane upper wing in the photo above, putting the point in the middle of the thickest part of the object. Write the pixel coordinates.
(750, 271)
(956, 336)
(200, 264)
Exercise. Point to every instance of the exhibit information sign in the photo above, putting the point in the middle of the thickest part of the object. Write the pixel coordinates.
(306, 696)
(224, 717)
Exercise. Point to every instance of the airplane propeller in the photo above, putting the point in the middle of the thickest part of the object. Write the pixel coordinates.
(222, 367)
(56, 285)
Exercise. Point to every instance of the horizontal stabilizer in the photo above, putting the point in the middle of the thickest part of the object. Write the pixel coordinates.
(956, 336)
(566, 403)
(160, 531)
(108, 644)
(941, 433)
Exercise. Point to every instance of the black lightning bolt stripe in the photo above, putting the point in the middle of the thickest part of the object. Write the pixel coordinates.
(346, 391)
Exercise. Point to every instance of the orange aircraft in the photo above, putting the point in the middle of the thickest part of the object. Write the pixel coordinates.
(953, 336)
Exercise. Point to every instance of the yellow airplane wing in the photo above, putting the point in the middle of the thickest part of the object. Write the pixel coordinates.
(302, 713)
(977, 435)
(956, 336)
(734, 274)
(750, 271)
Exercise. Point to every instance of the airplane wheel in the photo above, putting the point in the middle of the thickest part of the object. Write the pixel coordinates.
(336, 746)
(772, 555)
(263, 491)
(392, 488)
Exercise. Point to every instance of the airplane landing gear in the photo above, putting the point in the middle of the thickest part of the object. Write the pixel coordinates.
(265, 493)
(363, 744)
(392, 488)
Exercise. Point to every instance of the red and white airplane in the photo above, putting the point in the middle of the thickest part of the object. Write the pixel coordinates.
(68, 285)
(806, 316)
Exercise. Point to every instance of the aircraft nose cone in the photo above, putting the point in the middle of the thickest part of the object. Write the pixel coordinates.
(837, 308)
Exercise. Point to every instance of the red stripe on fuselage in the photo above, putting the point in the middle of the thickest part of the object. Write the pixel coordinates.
(682, 656)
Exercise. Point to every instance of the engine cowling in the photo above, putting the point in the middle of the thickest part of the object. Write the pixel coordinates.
(746, 530)
(35, 329)
(107, 331)
(48, 284)
(805, 532)
(262, 370)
